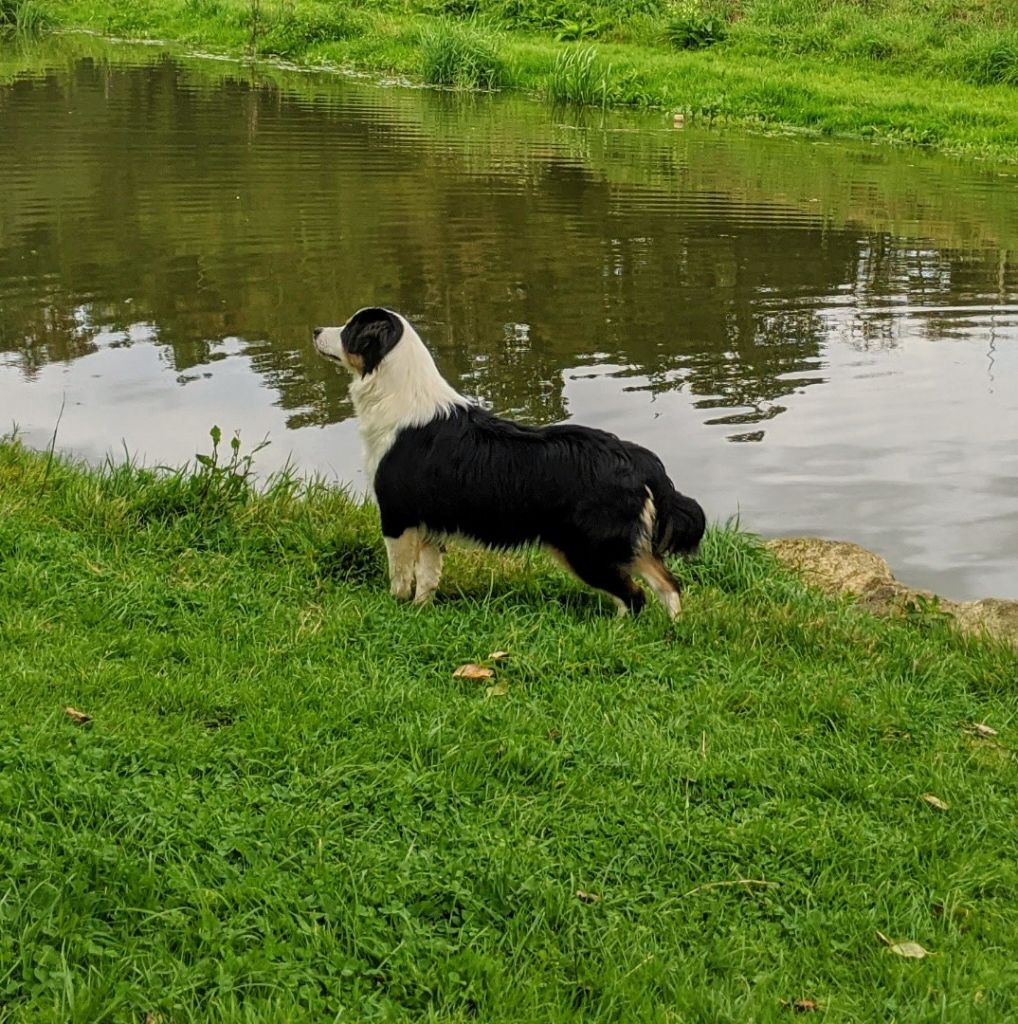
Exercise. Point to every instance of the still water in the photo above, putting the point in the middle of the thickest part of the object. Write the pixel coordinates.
(821, 337)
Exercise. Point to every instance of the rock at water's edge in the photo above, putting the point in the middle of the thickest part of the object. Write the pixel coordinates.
(841, 567)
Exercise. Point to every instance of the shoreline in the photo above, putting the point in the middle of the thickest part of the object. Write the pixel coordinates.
(832, 567)
(748, 88)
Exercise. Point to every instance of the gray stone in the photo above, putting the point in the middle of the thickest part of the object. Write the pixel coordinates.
(839, 567)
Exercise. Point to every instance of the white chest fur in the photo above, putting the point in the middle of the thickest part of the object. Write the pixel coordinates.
(405, 390)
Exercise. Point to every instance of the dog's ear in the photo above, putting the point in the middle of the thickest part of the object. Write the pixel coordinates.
(370, 336)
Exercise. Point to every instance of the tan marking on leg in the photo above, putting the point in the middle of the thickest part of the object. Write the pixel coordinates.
(648, 516)
(402, 552)
(659, 579)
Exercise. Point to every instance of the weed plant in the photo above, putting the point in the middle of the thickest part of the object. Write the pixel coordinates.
(693, 27)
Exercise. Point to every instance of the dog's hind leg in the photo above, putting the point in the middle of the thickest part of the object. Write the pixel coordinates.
(603, 575)
(660, 580)
(402, 552)
(428, 571)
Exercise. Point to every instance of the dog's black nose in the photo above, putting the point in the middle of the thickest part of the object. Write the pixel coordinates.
(318, 330)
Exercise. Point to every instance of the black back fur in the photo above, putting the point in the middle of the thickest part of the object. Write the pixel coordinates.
(576, 489)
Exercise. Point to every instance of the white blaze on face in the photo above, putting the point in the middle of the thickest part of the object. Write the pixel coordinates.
(329, 342)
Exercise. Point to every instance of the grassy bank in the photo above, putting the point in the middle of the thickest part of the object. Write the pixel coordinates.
(942, 74)
(285, 807)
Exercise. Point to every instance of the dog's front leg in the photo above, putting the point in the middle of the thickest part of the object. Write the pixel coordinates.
(429, 571)
(402, 552)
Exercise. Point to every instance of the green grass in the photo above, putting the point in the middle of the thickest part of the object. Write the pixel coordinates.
(292, 35)
(285, 808)
(22, 17)
(463, 57)
(937, 73)
(580, 77)
(991, 62)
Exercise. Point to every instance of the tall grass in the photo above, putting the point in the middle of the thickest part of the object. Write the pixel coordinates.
(581, 77)
(991, 61)
(24, 17)
(462, 56)
(290, 31)
(965, 39)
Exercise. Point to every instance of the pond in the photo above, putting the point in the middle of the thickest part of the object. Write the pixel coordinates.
(819, 337)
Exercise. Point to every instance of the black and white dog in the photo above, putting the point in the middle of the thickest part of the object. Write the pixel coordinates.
(441, 468)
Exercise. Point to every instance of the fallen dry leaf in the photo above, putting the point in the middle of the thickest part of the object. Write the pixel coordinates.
(472, 671)
(984, 730)
(587, 897)
(912, 950)
(500, 689)
(76, 716)
(935, 802)
(909, 949)
(498, 656)
(802, 1005)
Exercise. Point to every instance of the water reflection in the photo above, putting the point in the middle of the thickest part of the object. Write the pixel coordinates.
(170, 230)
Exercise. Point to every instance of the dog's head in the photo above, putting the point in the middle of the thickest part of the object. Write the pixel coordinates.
(363, 341)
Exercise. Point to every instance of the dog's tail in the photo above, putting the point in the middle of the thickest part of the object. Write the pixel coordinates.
(676, 523)
(679, 523)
